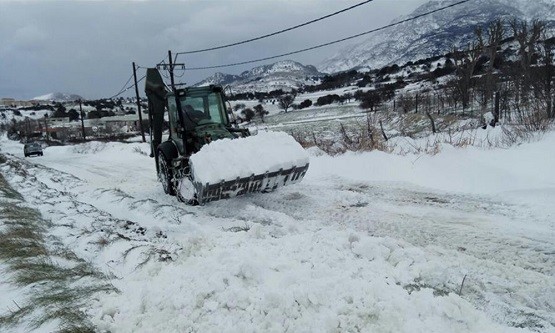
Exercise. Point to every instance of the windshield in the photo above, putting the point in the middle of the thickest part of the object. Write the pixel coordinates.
(204, 108)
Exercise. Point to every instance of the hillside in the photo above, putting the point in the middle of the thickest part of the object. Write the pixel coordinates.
(58, 97)
(284, 75)
(435, 34)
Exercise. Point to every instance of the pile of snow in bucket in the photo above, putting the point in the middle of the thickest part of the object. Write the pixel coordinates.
(228, 159)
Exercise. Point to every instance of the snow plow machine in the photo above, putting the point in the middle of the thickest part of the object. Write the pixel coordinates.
(206, 157)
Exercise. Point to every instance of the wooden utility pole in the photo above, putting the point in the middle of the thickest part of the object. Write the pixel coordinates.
(431, 121)
(171, 68)
(46, 128)
(27, 128)
(82, 120)
(416, 103)
(139, 102)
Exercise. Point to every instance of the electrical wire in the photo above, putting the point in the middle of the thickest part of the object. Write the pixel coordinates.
(123, 88)
(126, 88)
(274, 33)
(332, 42)
(129, 87)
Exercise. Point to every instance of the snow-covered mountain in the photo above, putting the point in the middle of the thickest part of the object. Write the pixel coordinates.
(58, 97)
(219, 79)
(434, 34)
(284, 75)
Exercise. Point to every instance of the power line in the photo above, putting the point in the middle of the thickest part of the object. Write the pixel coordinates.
(163, 61)
(125, 84)
(127, 88)
(333, 42)
(275, 33)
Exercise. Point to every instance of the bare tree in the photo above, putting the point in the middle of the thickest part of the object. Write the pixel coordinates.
(285, 101)
(425, 100)
(369, 100)
(543, 75)
(260, 111)
(465, 64)
(238, 106)
(548, 49)
(247, 114)
(495, 33)
(527, 37)
(441, 98)
(406, 103)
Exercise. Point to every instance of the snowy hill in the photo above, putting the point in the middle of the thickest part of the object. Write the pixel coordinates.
(219, 79)
(58, 97)
(434, 34)
(280, 75)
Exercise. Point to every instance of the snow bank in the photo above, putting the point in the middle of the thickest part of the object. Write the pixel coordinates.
(228, 159)
(470, 170)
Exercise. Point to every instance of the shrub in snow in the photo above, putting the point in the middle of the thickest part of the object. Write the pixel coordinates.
(305, 104)
(247, 114)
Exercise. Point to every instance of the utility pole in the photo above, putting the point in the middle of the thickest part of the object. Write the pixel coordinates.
(46, 128)
(171, 69)
(416, 103)
(82, 121)
(139, 102)
(27, 128)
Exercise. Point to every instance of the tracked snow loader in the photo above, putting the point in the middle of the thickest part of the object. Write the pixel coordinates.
(205, 157)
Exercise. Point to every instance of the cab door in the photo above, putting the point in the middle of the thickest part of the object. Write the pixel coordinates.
(175, 125)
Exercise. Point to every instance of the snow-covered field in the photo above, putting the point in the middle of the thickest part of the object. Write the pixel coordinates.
(367, 242)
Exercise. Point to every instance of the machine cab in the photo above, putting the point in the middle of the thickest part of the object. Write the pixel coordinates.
(197, 115)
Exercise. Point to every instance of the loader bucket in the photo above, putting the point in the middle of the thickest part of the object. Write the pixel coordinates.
(264, 183)
(262, 163)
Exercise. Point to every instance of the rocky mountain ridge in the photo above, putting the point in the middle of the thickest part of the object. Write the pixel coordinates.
(434, 34)
(284, 75)
(58, 97)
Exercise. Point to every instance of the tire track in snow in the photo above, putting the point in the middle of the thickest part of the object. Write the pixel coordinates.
(509, 275)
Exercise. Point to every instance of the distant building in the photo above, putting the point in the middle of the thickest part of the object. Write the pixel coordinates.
(7, 101)
(130, 122)
(58, 121)
(12, 102)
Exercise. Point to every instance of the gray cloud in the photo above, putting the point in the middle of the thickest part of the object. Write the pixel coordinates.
(87, 47)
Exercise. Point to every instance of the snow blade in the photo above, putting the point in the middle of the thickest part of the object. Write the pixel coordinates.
(227, 168)
(266, 182)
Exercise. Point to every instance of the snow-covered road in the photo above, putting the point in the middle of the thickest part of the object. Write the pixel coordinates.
(367, 242)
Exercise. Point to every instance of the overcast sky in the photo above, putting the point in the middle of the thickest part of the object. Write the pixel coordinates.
(87, 47)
